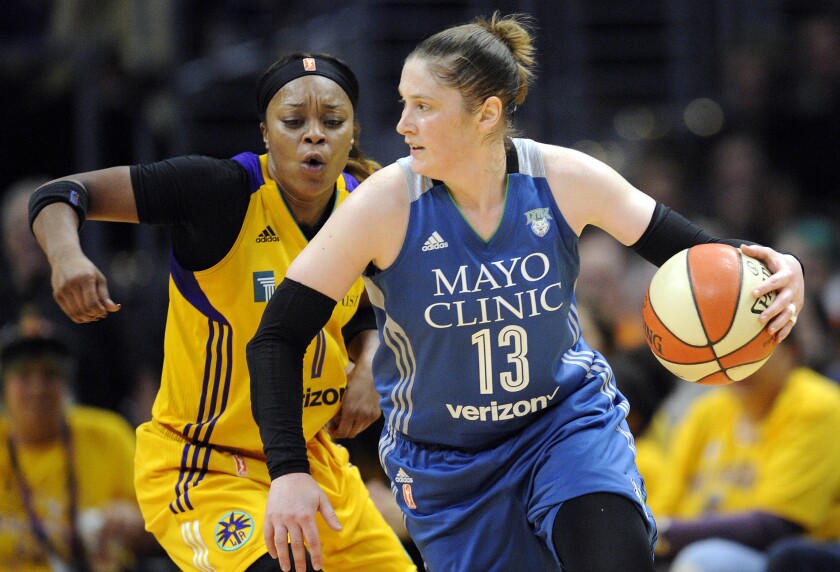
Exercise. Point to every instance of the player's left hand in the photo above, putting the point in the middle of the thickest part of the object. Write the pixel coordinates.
(360, 407)
(788, 281)
(293, 502)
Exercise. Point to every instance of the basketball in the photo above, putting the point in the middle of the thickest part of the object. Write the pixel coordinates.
(700, 317)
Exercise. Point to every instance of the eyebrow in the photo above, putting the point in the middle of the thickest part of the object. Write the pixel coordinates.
(417, 96)
(298, 105)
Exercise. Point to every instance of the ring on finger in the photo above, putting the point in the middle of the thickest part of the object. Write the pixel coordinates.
(792, 308)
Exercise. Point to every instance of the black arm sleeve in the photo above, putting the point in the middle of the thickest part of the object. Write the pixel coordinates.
(363, 319)
(203, 200)
(669, 233)
(292, 318)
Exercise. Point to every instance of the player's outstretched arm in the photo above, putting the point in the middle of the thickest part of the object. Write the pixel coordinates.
(57, 211)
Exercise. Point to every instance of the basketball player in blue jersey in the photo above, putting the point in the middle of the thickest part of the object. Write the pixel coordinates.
(200, 470)
(505, 438)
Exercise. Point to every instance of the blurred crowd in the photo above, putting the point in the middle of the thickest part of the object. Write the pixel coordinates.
(770, 173)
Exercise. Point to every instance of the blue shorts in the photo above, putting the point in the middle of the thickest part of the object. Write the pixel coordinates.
(494, 509)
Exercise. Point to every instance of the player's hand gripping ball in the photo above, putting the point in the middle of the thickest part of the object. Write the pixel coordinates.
(700, 317)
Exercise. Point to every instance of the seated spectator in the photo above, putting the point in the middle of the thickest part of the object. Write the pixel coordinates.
(66, 471)
(751, 463)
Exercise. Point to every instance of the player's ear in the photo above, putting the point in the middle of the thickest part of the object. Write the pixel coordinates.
(264, 131)
(490, 114)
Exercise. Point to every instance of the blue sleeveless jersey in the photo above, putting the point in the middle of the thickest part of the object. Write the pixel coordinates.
(478, 338)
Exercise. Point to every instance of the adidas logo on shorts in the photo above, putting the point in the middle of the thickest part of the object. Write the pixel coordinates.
(402, 477)
(268, 235)
(434, 242)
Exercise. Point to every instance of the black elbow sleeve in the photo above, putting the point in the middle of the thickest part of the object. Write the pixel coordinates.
(669, 233)
(292, 318)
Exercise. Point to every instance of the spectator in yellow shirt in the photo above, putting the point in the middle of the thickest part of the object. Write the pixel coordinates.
(750, 464)
(66, 471)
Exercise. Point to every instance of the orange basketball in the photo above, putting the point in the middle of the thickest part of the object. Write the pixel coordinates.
(700, 317)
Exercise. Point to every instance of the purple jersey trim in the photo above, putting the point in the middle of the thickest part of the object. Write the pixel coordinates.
(251, 162)
(188, 287)
(350, 181)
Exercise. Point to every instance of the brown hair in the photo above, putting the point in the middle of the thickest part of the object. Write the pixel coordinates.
(357, 164)
(485, 58)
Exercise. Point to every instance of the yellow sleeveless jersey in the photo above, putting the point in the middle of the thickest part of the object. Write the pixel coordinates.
(205, 387)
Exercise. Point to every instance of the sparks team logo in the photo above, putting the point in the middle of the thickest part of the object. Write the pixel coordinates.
(538, 221)
(233, 530)
(309, 64)
(263, 285)
(241, 467)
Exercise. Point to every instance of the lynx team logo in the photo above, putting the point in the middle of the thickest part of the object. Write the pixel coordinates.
(538, 220)
(263, 285)
(233, 530)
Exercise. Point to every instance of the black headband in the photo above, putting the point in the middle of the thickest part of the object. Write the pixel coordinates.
(307, 66)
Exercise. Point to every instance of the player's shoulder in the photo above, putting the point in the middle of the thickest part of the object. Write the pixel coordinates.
(384, 189)
(569, 163)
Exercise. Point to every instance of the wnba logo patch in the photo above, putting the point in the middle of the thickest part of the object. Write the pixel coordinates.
(405, 480)
(233, 530)
(241, 467)
(408, 496)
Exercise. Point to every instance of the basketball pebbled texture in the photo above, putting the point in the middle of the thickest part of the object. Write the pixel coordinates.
(700, 318)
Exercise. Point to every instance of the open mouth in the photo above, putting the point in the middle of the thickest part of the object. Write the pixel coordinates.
(313, 163)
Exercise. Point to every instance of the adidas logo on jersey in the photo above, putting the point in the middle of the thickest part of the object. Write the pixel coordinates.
(402, 477)
(434, 242)
(268, 235)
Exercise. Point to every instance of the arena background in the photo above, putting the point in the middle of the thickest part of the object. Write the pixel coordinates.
(728, 110)
(652, 86)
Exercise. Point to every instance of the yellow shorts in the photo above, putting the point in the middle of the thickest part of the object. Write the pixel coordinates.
(211, 518)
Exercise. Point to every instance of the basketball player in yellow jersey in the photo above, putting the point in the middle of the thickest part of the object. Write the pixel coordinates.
(236, 225)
